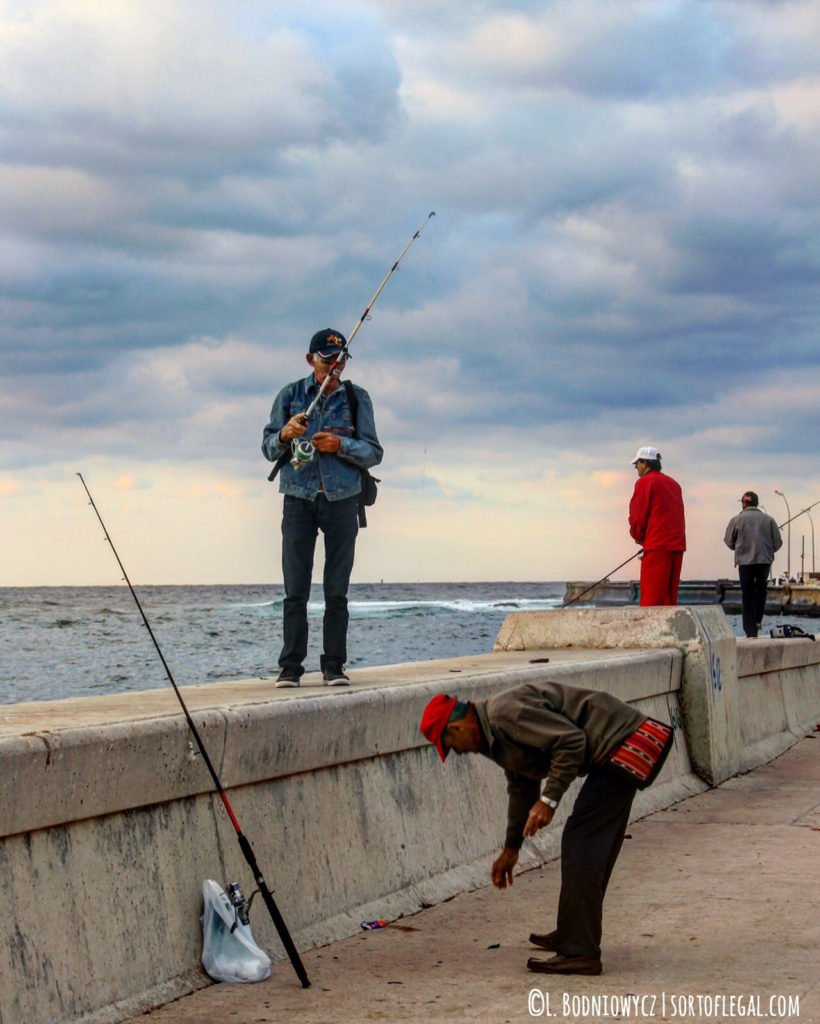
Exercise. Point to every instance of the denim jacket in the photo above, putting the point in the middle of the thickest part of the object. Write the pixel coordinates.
(339, 474)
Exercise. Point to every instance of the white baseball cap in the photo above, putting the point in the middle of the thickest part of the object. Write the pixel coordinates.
(648, 453)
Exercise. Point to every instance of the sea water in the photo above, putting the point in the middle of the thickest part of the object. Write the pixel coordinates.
(58, 642)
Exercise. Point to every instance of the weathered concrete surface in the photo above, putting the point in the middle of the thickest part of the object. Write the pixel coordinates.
(709, 691)
(779, 694)
(743, 702)
(57, 754)
(602, 628)
(109, 825)
(717, 897)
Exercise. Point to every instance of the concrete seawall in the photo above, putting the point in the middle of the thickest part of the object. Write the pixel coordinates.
(108, 825)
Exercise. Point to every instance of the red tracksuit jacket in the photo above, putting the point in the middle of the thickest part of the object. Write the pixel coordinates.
(656, 513)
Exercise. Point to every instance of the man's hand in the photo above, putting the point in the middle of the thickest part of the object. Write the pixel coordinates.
(540, 815)
(326, 443)
(295, 427)
(502, 869)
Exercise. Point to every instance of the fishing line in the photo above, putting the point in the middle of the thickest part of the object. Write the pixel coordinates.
(300, 456)
(245, 846)
(342, 356)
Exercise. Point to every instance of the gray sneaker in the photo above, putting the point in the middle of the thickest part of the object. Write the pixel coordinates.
(289, 676)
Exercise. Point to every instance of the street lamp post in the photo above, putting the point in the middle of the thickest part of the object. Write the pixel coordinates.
(812, 541)
(788, 536)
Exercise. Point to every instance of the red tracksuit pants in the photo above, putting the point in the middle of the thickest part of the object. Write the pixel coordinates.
(660, 576)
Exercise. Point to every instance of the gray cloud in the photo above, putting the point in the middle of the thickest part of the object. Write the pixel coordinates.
(627, 218)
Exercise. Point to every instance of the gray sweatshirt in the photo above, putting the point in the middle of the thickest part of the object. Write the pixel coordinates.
(550, 731)
(754, 537)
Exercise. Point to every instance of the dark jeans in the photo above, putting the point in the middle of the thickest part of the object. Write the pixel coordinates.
(590, 845)
(754, 581)
(301, 522)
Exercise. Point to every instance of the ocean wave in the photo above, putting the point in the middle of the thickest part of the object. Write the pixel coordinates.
(73, 642)
(275, 603)
(392, 608)
(433, 606)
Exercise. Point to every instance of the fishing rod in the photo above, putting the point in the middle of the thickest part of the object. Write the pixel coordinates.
(342, 356)
(245, 846)
(303, 449)
(601, 580)
(800, 513)
(617, 567)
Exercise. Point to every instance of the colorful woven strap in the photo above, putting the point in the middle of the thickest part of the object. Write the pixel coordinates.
(639, 753)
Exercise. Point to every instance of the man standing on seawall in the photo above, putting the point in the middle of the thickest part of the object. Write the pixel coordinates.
(555, 732)
(322, 495)
(754, 537)
(656, 522)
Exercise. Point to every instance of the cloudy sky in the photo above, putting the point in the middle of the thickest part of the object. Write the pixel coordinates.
(626, 250)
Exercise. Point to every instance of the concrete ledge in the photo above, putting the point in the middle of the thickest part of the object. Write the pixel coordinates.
(109, 828)
(108, 825)
(756, 657)
(708, 697)
(779, 688)
(598, 628)
(54, 777)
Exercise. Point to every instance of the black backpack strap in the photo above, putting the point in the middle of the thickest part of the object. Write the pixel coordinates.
(353, 402)
(283, 458)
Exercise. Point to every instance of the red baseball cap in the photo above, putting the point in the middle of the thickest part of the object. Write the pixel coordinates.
(434, 721)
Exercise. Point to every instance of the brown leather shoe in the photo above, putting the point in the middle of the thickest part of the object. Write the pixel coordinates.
(565, 965)
(548, 941)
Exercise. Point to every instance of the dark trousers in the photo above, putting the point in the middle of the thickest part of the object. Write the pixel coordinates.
(754, 582)
(301, 522)
(590, 845)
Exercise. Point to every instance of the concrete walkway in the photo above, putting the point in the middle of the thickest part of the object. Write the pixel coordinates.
(713, 914)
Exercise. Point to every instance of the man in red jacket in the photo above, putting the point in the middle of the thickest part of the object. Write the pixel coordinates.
(656, 523)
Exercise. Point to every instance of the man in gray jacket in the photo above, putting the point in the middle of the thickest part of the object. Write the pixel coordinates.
(553, 732)
(754, 537)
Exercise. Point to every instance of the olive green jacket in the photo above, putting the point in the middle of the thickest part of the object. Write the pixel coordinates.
(549, 731)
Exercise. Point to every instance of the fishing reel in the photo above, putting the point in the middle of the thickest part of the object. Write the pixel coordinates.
(241, 906)
(302, 451)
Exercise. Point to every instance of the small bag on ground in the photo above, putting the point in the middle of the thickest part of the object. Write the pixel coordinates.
(228, 950)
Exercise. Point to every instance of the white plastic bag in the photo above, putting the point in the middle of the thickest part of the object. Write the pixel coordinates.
(228, 950)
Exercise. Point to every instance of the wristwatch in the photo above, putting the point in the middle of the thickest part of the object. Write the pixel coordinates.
(550, 803)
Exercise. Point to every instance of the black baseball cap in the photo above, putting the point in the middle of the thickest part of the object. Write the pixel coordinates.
(327, 343)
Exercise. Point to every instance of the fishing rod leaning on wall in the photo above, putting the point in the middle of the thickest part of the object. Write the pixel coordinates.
(245, 846)
(302, 450)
